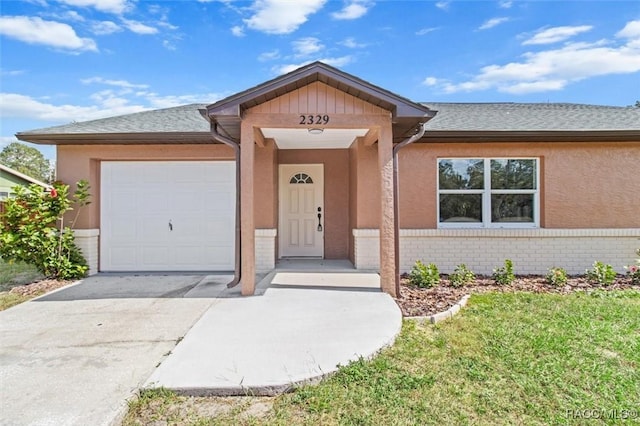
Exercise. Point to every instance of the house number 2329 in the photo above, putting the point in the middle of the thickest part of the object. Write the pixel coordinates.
(314, 119)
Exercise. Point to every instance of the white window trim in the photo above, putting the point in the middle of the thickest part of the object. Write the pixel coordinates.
(486, 196)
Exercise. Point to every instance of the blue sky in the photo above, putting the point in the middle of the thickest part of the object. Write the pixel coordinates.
(69, 60)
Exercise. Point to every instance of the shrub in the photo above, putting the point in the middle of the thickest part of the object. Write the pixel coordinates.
(556, 276)
(504, 275)
(633, 271)
(601, 274)
(461, 276)
(425, 276)
(32, 230)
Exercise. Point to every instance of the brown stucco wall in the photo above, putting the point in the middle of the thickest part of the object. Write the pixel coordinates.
(266, 186)
(336, 194)
(583, 185)
(368, 186)
(76, 162)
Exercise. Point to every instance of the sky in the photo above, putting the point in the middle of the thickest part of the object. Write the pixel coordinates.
(75, 60)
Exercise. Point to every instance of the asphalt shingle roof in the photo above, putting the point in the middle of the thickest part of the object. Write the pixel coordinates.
(502, 117)
(517, 117)
(184, 118)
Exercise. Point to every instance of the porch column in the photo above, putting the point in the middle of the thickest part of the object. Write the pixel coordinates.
(387, 229)
(247, 223)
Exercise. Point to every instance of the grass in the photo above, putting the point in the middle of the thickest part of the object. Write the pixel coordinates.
(17, 273)
(507, 359)
(14, 274)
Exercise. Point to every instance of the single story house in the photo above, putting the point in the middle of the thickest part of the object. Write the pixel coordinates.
(305, 165)
(10, 178)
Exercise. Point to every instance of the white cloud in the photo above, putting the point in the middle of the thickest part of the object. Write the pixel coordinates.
(505, 4)
(237, 31)
(105, 27)
(554, 69)
(169, 45)
(424, 31)
(105, 103)
(443, 5)
(11, 73)
(269, 56)
(631, 30)
(556, 34)
(21, 106)
(353, 9)
(34, 30)
(335, 62)
(281, 16)
(118, 83)
(351, 43)
(69, 15)
(431, 81)
(138, 27)
(307, 46)
(110, 6)
(493, 22)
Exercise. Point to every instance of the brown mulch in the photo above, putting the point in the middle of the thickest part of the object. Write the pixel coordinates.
(415, 301)
(37, 288)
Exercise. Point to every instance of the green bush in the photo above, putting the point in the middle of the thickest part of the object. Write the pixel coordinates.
(461, 276)
(556, 276)
(601, 274)
(633, 271)
(32, 230)
(504, 275)
(424, 276)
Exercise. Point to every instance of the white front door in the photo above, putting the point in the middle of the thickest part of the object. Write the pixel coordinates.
(301, 210)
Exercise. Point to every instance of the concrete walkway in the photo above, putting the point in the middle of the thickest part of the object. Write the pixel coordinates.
(299, 327)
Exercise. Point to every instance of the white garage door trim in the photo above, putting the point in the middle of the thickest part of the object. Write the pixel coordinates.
(167, 216)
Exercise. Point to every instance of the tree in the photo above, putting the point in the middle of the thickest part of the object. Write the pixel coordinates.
(27, 160)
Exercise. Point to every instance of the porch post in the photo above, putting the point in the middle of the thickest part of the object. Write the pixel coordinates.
(387, 228)
(247, 223)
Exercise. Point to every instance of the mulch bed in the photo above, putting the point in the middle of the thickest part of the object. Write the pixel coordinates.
(37, 288)
(415, 301)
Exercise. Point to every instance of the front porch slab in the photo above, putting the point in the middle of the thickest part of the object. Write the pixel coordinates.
(297, 331)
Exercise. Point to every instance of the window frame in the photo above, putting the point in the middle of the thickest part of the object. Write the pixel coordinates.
(486, 193)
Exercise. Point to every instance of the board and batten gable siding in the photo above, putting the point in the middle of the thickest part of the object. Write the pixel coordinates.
(317, 97)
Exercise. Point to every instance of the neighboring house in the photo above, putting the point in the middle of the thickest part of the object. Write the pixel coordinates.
(543, 184)
(10, 178)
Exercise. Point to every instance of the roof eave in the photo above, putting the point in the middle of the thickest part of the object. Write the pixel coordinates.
(532, 136)
(115, 138)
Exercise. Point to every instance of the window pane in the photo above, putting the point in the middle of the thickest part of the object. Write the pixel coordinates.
(512, 208)
(513, 174)
(461, 174)
(460, 208)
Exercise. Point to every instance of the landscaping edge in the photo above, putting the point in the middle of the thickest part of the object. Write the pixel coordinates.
(441, 316)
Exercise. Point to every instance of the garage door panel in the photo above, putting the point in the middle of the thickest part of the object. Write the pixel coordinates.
(218, 201)
(120, 255)
(140, 198)
(125, 229)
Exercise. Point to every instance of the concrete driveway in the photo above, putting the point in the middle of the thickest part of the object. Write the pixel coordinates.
(75, 356)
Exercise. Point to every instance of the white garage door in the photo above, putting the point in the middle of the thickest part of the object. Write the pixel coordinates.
(167, 216)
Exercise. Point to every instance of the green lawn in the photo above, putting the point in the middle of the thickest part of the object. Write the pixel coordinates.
(14, 274)
(507, 358)
(17, 273)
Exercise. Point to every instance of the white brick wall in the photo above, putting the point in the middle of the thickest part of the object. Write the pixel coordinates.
(87, 241)
(533, 251)
(265, 249)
